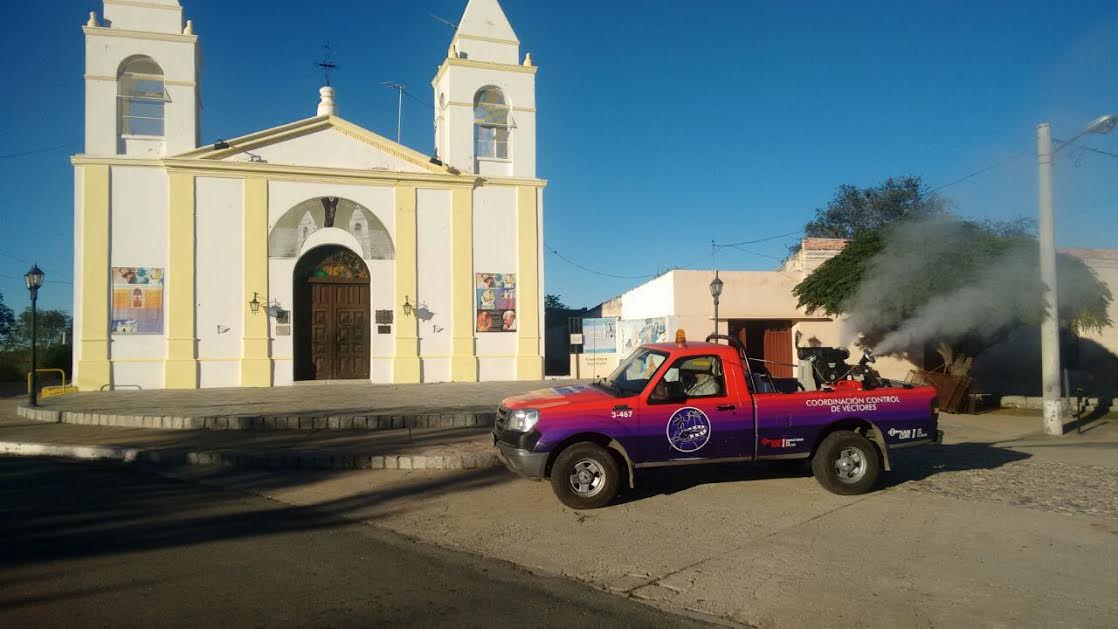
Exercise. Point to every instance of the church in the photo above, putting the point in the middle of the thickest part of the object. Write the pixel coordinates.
(315, 250)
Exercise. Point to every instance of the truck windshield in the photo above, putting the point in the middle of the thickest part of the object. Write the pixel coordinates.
(634, 372)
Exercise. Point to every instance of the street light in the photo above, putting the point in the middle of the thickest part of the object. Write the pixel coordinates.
(716, 292)
(34, 280)
(1046, 223)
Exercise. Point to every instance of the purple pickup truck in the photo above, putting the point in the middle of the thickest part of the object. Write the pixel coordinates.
(672, 404)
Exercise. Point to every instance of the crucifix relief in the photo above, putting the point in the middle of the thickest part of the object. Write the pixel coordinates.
(330, 204)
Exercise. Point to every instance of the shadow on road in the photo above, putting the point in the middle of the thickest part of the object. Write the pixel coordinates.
(908, 465)
(61, 510)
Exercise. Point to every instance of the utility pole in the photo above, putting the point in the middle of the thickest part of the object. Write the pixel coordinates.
(1050, 328)
(400, 88)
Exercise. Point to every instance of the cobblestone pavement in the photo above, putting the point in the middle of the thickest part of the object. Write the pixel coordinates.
(1076, 474)
(1044, 485)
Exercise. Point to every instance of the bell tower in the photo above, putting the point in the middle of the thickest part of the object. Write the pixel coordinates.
(141, 80)
(485, 97)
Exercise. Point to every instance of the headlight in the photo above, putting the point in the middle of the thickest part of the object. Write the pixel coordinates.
(523, 420)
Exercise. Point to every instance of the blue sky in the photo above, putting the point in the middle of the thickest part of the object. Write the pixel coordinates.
(664, 125)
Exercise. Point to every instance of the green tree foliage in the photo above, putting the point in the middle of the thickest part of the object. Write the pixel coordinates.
(52, 326)
(956, 285)
(7, 320)
(855, 210)
(554, 302)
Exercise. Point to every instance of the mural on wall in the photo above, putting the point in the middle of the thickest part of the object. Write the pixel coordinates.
(496, 302)
(298, 224)
(599, 336)
(633, 333)
(137, 301)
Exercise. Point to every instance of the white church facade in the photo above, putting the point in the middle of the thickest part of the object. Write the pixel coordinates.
(314, 250)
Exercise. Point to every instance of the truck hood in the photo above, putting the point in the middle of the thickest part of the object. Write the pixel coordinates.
(557, 397)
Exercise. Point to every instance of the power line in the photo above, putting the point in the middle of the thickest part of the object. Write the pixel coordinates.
(38, 151)
(595, 272)
(759, 240)
(1081, 147)
(976, 173)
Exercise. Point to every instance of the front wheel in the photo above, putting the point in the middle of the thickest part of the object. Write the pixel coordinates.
(585, 476)
(846, 463)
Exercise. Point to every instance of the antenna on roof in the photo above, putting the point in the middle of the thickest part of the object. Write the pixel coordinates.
(401, 88)
(443, 20)
(327, 64)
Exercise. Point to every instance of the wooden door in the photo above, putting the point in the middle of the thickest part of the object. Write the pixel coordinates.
(778, 350)
(339, 330)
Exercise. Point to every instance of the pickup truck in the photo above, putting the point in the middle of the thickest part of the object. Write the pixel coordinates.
(672, 404)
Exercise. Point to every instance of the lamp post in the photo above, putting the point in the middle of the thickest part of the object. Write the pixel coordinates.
(1046, 223)
(34, 279)
(716, 292)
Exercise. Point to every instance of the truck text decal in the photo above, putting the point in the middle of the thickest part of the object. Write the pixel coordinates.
(853, 404)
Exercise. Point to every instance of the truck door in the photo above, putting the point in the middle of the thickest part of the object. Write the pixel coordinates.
(691, 413)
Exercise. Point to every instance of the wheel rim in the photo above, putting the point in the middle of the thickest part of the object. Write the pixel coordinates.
(850, 466)
(587, 478)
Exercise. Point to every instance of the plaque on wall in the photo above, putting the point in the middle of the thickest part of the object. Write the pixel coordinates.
(384, 317)
(384, 329)
(283, 330)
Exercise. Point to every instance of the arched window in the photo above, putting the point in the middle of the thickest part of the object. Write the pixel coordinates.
(491, 124)
(142, 96)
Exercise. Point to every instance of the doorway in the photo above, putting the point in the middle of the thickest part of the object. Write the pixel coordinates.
(332, 307)
(769, 341)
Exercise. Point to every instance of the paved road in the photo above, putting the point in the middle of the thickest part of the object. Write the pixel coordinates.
(97, 544)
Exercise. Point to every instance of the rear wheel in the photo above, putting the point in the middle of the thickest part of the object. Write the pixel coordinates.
(846, 463)
(585, 476)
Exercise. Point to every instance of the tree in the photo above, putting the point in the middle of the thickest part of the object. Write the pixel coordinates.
(554, 302)
(52, 325)
(855, 210)
(7, 320)
(960, 286)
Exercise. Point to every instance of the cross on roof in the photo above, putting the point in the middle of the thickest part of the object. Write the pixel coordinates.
(327, 64)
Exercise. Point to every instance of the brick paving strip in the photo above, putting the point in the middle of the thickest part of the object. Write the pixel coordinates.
(366, 427)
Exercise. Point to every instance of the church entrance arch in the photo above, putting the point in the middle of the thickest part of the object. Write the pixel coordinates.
(331, 324)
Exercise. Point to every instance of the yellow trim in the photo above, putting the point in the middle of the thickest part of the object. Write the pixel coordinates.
(104, 31)
(281, 172)
(308, 126)
(94, 370)
(463, 365)
(146, 5)
(256, 366)
(483, 65)
(529, 363)
(405, 363)
(492, 40)
(181, 368)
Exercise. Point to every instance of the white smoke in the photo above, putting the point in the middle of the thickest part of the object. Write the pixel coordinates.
(897, 303)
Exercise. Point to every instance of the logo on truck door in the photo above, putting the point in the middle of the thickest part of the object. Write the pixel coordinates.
(688, 429)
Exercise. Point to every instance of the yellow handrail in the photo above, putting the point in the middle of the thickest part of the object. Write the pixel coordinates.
(60, 372)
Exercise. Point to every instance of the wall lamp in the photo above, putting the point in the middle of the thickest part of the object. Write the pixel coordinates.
(254, 305)
(407, 307)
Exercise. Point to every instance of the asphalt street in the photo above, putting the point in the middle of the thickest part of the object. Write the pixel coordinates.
(99, 544)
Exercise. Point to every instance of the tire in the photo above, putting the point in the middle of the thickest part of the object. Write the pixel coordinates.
(585, 476)
(846, 463)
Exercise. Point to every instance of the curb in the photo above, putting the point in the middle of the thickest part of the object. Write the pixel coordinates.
(265, 422)
(113, 453)
(291, 460)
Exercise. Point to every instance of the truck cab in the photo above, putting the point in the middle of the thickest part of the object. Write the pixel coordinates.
(688, 403)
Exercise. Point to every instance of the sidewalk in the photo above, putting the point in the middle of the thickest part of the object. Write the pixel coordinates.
(403, 447)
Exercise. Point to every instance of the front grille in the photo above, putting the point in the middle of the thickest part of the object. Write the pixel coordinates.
(502, 420)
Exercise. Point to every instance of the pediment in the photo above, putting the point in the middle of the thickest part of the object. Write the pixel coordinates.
(323, 142)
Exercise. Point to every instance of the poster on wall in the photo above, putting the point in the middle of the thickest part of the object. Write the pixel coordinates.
(137, 301)
(633, 333)
(599, 336)
(496, 302)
